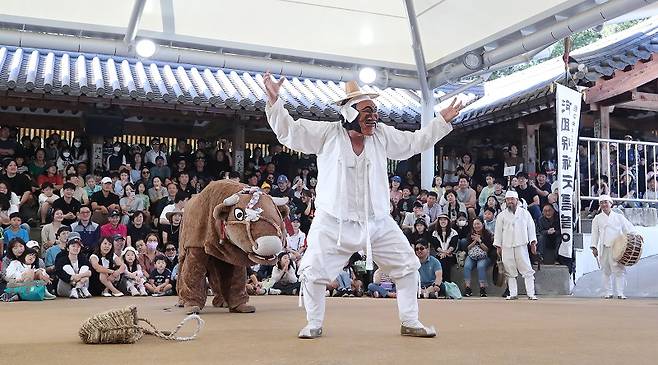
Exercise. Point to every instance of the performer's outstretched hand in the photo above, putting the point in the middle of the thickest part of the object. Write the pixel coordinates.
(272, 87)
(452, 110)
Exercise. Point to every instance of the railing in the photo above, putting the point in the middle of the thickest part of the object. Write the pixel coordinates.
(627, 165)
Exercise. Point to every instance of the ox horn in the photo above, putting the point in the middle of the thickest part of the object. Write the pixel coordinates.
(280, 201)
(228, 202)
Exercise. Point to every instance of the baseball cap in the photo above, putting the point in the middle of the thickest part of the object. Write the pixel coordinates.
(114, 213)
(281, 178)
(73, 236)
(117, 237)
(396, 178)
(32, 244)
(106, 180)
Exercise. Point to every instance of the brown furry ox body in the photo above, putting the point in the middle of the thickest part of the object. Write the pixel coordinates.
(225, 229)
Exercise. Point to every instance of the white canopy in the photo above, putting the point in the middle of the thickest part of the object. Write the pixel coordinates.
(333, 33)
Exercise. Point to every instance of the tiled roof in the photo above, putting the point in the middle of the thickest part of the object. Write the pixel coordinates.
(530, 90)
(60, 73)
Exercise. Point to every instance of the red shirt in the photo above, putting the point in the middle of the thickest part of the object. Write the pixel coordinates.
(108, 231)
(55, 179)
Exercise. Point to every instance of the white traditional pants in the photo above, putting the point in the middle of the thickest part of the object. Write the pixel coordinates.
(610, 267)
(324, 259)
(516, 260)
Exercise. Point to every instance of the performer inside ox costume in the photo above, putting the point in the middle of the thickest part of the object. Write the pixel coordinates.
(606, 227)
(353, 197)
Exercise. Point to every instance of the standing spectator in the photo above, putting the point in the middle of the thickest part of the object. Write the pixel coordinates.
(49, 231)
(431, 273)
(184, 183)
(79, 151)
(68, 204)
(26, 149)
(466, 195)
(116, 159)
(8, 146)
(529, 195)
(73, 271)
(481, 253)
(154, 152)
(88, 231)
(104, 201)
(223, 162)
(307, 211)
(468, 165)
(548, 229)
(200, 171)
(447, 243)
(114, 226)
(514, 159)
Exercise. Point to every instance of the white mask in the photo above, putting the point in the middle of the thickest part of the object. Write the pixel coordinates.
(66, 154)
(461, 223)
(77, 144)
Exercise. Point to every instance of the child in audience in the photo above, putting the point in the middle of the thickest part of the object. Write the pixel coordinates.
(107, 269)
(26, 269)
(15, 230)
(158, 284)
(134, 277)
(382, 285)
(46, 199)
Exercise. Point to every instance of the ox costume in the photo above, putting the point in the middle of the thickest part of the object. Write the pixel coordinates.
(605, 229)
(514, 231)
(353, 204)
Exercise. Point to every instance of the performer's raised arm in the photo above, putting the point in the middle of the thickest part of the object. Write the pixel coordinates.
(306, 136)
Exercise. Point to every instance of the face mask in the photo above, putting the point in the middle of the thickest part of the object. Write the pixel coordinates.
(461, 223)
(66, 154)
(117, 149)
(152, 246)
(77, 144)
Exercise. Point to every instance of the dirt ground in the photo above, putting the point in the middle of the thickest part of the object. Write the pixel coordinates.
(357, 331)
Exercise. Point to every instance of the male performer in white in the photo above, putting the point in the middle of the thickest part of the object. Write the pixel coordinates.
(353, 197)
(514, 230)
(606, 227)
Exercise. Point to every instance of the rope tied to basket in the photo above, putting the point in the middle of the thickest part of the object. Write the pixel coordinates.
(123, 326)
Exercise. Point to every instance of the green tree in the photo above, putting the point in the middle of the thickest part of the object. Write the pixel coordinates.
(579, 39)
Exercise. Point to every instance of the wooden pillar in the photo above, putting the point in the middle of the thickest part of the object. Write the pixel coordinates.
(238, 147)
(604, 132)
(530, 147)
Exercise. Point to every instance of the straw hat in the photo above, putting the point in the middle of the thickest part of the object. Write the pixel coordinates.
(352, 90)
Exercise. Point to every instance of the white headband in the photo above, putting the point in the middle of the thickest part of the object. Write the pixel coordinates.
(350, 113)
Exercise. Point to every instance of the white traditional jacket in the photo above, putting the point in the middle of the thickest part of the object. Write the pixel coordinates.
(514, 229)
(331, 143)
(606, 228)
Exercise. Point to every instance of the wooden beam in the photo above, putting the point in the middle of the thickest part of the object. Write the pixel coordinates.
(623, 81)
(646, 105)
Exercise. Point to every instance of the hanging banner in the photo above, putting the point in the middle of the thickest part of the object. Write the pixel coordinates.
(567, 106)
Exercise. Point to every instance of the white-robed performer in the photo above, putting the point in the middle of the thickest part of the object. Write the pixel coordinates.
(353, 197)
(606, 227)
(515, 229)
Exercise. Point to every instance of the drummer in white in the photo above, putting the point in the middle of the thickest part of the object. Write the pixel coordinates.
(514, 230)
(606, 227)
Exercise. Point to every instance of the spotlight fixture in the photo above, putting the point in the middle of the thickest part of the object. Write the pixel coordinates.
(367, 75)
(145, 48)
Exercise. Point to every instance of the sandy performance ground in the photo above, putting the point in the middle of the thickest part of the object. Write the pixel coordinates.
(357, 331)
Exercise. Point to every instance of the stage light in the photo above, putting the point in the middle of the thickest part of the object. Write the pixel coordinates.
(145, 48)
(367, 75)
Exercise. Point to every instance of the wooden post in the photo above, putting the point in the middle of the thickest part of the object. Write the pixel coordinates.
(530, 147)
(604, 132)
(238, 147)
